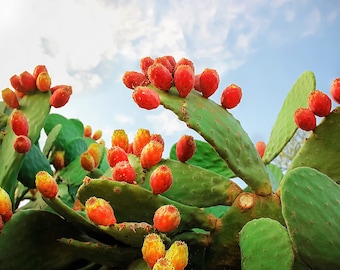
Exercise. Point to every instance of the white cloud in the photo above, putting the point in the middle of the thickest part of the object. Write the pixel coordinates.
(312, 22)
(123, 119)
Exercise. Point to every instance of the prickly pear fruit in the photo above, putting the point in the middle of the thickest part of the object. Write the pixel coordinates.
(319, 103)
(160, 77)
(335, 90)
(132, 79)
(10, 98)
(120, 138)
(153, 249)
(5, 206)
(22, 144)
(161, 179)
(16, 84)
(19, 123)
(185, 148)
(231, 96)
(146, 98)
(43, 82)
(184, 80)
(97, 134)
(123, 171)
(27, 81)
(116, 154)
(185, 61)
(165, 62)
(145, 63)
(60, 96)
(209, 81)
(178, 255)
(46, 184)
(99, 211)
(166, 218)
(58, 160)
(163, 264)
(157, 137)
(151, 154)
(172, 61)
(87, 131)
(38, 69)
(95, 150)
(141, 139)
(305, 119)
(87, 161)
(260, 147)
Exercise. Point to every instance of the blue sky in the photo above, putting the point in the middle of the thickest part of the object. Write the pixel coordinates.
(261, 45)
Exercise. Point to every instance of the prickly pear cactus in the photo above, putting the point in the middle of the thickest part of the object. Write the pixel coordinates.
(76, 202)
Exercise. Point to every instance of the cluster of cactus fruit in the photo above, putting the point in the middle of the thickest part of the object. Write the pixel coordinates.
(90, 206)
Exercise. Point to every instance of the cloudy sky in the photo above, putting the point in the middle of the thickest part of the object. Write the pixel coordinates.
(261, 45)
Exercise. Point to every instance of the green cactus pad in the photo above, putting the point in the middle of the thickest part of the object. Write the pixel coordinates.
(196, 186)
(310, 206)
(74, 148)
(265, 244)
(36, 108)
(133, 203)
(214, 163)
(223, 132)
(275, 175)
(73, 174)
(285, 127)
(30, 241)
(51, 138)
(321, 150)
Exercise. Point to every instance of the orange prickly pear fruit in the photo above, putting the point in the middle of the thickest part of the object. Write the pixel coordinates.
(319, 103)
(153, 249)
(120, 138)
(5, 206)
(163, 264)
(19, 123)
(123, 171)
(260, 147)
(46, 185)
(16, 84)
(10, 98)
(60, 96)
(87, 161)
(27, 81)
(43, 82)
(185, 148)
(97, 134)
(87, 131)
(141, 139)
(100, 212)
(59, 160)
(95, 150)
(22, 144)
(161, 179)
(305, 119)
(166, 218)
(151, 154)
(38, 69)
(178, 255)
(157, 137)
(116, 154)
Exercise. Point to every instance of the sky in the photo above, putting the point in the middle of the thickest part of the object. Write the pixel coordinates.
(261, 45)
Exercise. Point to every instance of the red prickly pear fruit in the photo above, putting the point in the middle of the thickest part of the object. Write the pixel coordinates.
(335, 90)
(19, 94)
(121, 139)
(163, 264)
(87, 131)
(185, 61)
(56, 87)
(100, 212)
(97, 134)
(197, 85)
(157, 137)
(161, 179)
(260, 147)
(10, 98)
(123, 171)
(95, 151)
(46, 184)
(87, 161)
(209, 81)
(153, 249)
(305, 119)
(22, 144)
(166, 218)
(146, 98)
(116, 154)
(160, 77)
(43, 82)
(151, 154)
(132, 79)
(5, 205)
(19, 123)
(59, 160)
(172, 61)
(141, 139)
(38, 69)
(60, 96)
(145, 63)
(184, 80)
(178, 255)
(16, 84)
(319, 103)
(231, 96)
(185, 148)
(165, 62)
(27, 81)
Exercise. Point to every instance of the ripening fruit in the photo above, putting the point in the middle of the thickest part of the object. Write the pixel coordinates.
(46, 185)
(27, 81)
(153, 249)
(151, 154)
(123, 171)
(116, 154)
(231, 96)
(185, 148)
(260, 147)
(209, 81)
(99, 211)
(87, 131)
(87, 161)
(95, 149)
(120, 138)
(145, 63)
(319, 103)
(59, 159)
(305, 119)
(158, 138)
(160, 77)
(146, 98)
(141, 139)
(178, 255)
(166, 218)
(163, 264)
(185, 61)
(43, 82)
(5, 205)
(10, 98)
(19, 123)
(184, 80)
(16, 84)
(38, 69)
(335, 90)
(97, 134)
(60, 96)
(165, 62)
(161, 179)
(132, 79)
(22, 144)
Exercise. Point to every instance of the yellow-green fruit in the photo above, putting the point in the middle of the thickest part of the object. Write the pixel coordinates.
(153, 249)
(178, 255)
(163, 264)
